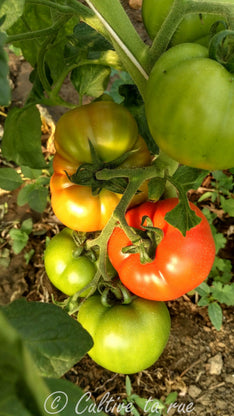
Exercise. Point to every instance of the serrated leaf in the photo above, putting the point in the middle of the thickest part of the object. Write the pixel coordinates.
(203, 289)
(227, 205)
(204, 301)
(21, 141)
(90, 79)
(9, 179)
(215, 314)
(189, 178)
(223, 293)
(182, 218)
(55, 340)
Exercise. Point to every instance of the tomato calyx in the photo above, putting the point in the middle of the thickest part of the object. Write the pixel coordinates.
(86, 173)
(115, 293)
(146, 241)
(221, 49)
(80, 238)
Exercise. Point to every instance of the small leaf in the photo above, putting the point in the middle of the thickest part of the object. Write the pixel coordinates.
(223, 293)
(182, 218)
(30, 173)
(37, 199)
(128, 386)
(171, 398)
(21, 141)
(9, 179)
(215, 314)
(227, 205)
(90, 79)
(203, 289)
(19, 240)
(189, 178)
(27, 226)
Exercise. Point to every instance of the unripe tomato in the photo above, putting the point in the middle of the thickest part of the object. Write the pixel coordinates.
(66, 270)
(127, 338)
(195, 27)
(113, 132)
(190, 107)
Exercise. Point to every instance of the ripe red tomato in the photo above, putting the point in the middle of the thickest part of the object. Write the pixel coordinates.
(180, 264)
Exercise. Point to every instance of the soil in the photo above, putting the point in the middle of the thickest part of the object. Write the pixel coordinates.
(198, 361)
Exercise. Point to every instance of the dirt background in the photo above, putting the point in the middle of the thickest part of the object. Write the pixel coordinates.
(198, 362)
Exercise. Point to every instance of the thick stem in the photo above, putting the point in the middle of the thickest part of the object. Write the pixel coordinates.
(179, 9)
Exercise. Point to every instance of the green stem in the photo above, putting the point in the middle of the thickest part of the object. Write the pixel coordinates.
(179, 9)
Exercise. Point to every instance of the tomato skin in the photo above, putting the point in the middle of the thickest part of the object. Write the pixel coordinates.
(67, 272)
(127, 338)
(193, 28)
(190, 106)
(113, 132)
(180, 264)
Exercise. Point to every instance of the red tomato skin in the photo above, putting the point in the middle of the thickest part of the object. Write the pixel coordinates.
(180, 264)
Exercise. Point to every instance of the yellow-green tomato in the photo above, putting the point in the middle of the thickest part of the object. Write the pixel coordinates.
(66, 270)
(127, 338)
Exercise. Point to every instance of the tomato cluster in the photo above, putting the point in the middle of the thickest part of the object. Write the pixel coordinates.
(187, 94)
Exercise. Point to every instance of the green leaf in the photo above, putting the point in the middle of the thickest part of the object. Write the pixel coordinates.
(55, 340)
(223, 293)
(215, 314)
(227, 205)
(189, 178)
(182, 217)
(90, 79)
(71, 397)
(204, 301)
(37, 199)
(9, 179)
(22, 137)
(23, 194)
(27, 226)
(171, 398)
(203, 289)
(19, 240)
(12, 9)
(5, 91)
(128, 386)
(30, 173)
(22, 391)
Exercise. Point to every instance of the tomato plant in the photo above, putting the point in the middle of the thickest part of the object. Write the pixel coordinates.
(67, 268)
(113, 132)
(189, 108)
(180, 263)
(194, 27)
(127, 338)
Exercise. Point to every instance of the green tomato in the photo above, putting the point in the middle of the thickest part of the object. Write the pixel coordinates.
(193, 28)
(190, 107)
(67, 272)
(127, 338)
